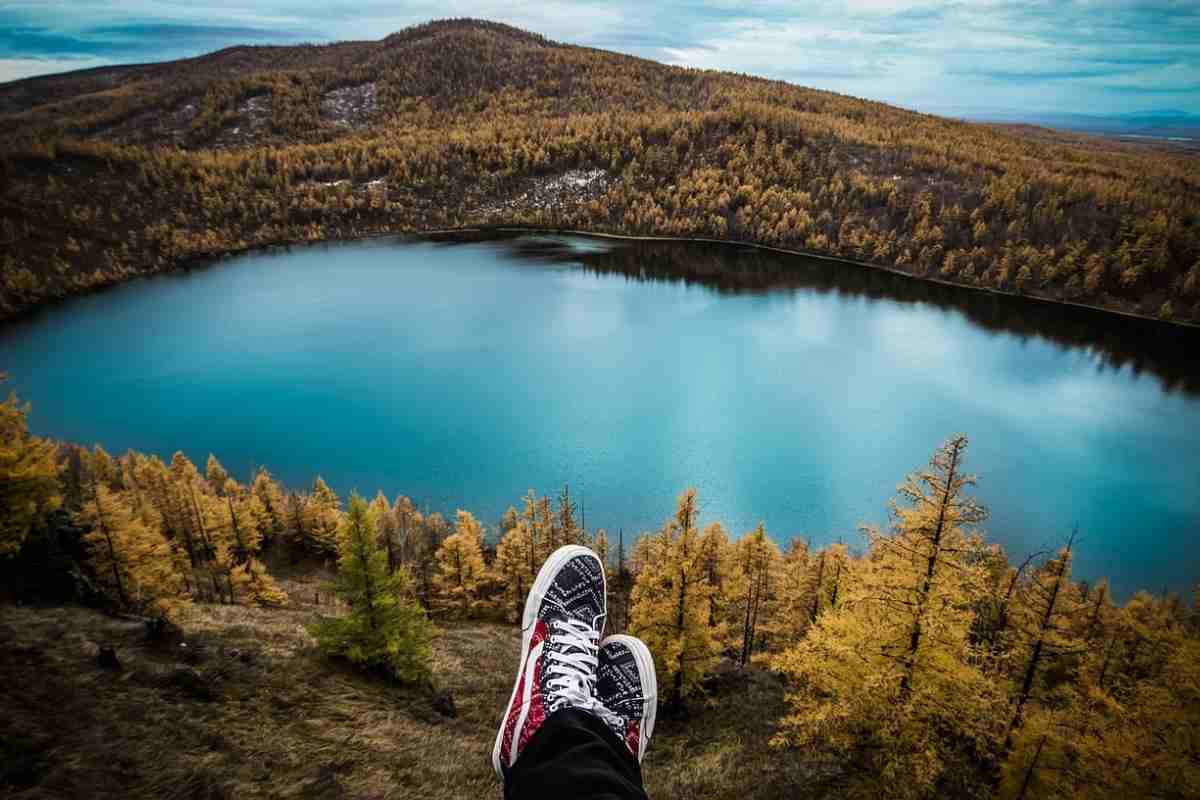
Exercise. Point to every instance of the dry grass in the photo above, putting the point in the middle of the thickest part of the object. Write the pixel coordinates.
(283, 721)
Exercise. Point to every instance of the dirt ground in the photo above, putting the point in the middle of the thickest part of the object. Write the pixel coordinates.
(244, 705)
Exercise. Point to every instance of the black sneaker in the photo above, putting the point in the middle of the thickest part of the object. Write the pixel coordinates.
(628, 689)
(564, 615)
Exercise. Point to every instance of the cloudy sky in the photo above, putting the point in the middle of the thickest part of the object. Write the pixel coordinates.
(965, 57)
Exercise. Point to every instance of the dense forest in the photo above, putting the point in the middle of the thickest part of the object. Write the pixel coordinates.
(116, 172)
(923, 663)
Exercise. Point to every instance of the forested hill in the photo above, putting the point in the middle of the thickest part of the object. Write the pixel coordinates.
(115, 172)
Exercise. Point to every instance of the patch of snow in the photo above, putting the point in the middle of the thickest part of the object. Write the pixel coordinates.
(349, 105)
(569, 188)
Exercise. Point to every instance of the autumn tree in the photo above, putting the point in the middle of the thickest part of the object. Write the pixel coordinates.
(271, 498)
(387, 528)
(512, 568)
(620, 589)
(757, 563)
(425, 540)
(1043, 614)
(384, 628)
(716, 561)
(321, 519)
(131, 559)
(566, 526)
(600, 546)
(28, 478)
(887, 678)
(460, 566)
(248, 577)
(671, 603)
(793, 610)
(215, 474)
(193, 516)
(409, 523)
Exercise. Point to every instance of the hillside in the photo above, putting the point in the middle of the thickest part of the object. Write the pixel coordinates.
(245, 705)
(115, 172)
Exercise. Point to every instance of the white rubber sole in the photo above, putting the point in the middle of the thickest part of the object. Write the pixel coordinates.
(533, 601)
(649, 679)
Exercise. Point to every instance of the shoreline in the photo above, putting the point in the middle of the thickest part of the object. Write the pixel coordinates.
(206, 259)
(805, 254)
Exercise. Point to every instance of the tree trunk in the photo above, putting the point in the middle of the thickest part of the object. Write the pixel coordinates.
(212, 573)
(677, 693)
(816, 603)
(112, 552)
(914, 638)
(746, 624)
(837, 582)
(1036, 656)
(1037, 754)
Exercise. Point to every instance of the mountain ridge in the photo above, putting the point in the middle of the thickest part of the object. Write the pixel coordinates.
(464, 123)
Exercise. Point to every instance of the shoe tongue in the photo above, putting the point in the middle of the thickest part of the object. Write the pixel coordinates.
(578, 590)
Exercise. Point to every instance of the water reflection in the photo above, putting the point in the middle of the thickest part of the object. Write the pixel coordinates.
(1167, 352)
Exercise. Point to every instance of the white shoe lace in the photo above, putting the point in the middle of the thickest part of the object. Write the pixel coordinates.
(573, 667)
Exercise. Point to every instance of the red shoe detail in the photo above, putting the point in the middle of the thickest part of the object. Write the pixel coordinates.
(536, 714)
(633, 733)
(537, 710)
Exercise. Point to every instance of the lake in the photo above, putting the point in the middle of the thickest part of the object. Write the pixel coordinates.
(788, 390)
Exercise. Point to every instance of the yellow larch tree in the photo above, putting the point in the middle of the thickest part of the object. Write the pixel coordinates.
(757, 564)
(671, 603)
(460, 566)
(512, 568)
(215, 474)
(790, 617)
(1043, 619)
(193, 514)
(717, 561)
(272, 521)
(600, 547)
(248, 578)
(322, 518)
(28, 478)
(886, 678)
(386, 529)
(409, 522)
(131, 559)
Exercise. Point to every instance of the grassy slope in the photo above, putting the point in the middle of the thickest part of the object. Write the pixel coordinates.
(286, 722)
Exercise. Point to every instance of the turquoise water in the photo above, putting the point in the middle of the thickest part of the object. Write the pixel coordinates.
(465, 374)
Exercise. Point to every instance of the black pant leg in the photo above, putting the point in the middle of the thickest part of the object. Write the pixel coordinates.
(575, 756)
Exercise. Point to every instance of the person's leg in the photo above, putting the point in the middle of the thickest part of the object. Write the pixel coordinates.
(557, 738)
(575, 755)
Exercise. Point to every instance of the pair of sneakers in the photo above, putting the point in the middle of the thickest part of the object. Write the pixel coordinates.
(565, 664)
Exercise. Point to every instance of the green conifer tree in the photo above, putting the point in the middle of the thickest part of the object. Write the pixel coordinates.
(384, 628)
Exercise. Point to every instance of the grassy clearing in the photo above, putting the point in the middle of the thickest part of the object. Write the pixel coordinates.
(245, 706)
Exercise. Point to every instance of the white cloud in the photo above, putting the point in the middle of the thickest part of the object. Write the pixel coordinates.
(12, 69)
(1072, 55)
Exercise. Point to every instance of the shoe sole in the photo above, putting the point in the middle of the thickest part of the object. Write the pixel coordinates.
(544, 578)
(649, 679)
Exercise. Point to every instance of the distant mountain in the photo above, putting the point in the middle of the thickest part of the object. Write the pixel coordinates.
(1163, 123)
